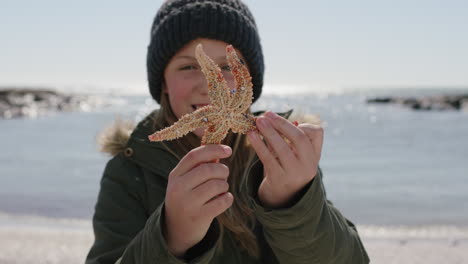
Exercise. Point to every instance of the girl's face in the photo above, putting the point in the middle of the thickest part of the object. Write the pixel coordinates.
(185, 83)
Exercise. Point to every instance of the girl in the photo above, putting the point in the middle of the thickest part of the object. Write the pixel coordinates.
(168, 202)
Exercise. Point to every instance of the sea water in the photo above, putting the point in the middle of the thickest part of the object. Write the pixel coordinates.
(383, 164)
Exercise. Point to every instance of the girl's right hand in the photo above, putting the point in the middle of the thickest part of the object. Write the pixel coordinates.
(196, 193)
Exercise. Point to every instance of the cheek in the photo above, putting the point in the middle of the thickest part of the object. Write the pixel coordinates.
(230, 83)
(229, 80)
(179, 93)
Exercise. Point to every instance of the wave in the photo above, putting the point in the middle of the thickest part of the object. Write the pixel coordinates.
(425, 232)
(414, 232)
(24, 220)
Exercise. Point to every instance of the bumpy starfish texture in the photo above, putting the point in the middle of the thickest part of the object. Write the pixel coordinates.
(227, 109)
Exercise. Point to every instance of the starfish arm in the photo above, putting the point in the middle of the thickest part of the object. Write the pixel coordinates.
(218, 90)
(243, 123)
(186, 124)
(227, 109)
(242, 95)
(215, 134)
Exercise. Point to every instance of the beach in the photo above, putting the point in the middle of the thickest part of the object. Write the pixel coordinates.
(398, 174)
(39, 240)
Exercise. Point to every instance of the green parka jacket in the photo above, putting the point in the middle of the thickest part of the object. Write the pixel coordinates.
(129, 217)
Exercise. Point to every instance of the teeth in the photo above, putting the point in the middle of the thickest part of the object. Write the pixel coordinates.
(198, 106)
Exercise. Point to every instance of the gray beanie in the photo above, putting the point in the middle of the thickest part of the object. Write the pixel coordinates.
(180, 21)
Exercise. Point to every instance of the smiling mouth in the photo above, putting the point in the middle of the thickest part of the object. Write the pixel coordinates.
(197, 106)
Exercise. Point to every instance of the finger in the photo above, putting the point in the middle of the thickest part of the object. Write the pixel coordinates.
(299, 140)
(209, 190)
(282, 149)
(288, 129)
(272, 151)
(315, 134)
(264, 154)
(202, 154)
(203, 173)
(218, 205)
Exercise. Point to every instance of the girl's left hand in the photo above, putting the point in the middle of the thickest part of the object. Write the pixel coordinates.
(288, 166)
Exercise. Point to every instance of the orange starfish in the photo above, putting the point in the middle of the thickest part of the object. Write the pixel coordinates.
(228, 108)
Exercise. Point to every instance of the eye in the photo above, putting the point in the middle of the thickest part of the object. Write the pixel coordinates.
(188, 67)
(226, 68)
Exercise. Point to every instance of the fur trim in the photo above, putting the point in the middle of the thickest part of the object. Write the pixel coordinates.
(113, 139)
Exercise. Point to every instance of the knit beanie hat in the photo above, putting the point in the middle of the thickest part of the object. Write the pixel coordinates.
(180, 21)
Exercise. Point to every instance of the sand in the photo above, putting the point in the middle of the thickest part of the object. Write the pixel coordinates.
(40, 241)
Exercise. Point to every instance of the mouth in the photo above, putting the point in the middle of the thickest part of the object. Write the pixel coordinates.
(197, 106)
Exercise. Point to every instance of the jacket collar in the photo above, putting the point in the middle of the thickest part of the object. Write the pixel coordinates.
(154, 156)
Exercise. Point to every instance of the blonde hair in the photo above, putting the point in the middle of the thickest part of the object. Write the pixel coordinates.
(239, 218)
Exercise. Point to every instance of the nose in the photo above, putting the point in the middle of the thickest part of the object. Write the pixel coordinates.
(202, 85)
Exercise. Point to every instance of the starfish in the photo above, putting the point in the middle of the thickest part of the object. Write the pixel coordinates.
(227, 109)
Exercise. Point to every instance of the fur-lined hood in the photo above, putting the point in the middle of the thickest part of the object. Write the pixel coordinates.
(114, 138)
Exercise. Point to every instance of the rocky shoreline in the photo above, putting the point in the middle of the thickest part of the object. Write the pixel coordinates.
(18, 102)
(427, 103)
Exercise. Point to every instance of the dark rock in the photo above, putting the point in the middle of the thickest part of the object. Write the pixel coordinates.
(27, 102)
(381, 100)
(428, 103)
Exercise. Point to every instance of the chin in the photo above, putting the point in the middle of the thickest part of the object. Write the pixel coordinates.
(199, 132)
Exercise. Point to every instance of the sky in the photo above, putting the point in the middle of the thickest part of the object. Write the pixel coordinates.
(309, 45)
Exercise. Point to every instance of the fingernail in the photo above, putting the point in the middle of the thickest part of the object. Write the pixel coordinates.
(227, 149)
(271, 115)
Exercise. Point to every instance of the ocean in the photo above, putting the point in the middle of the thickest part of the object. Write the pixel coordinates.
(384, 165)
